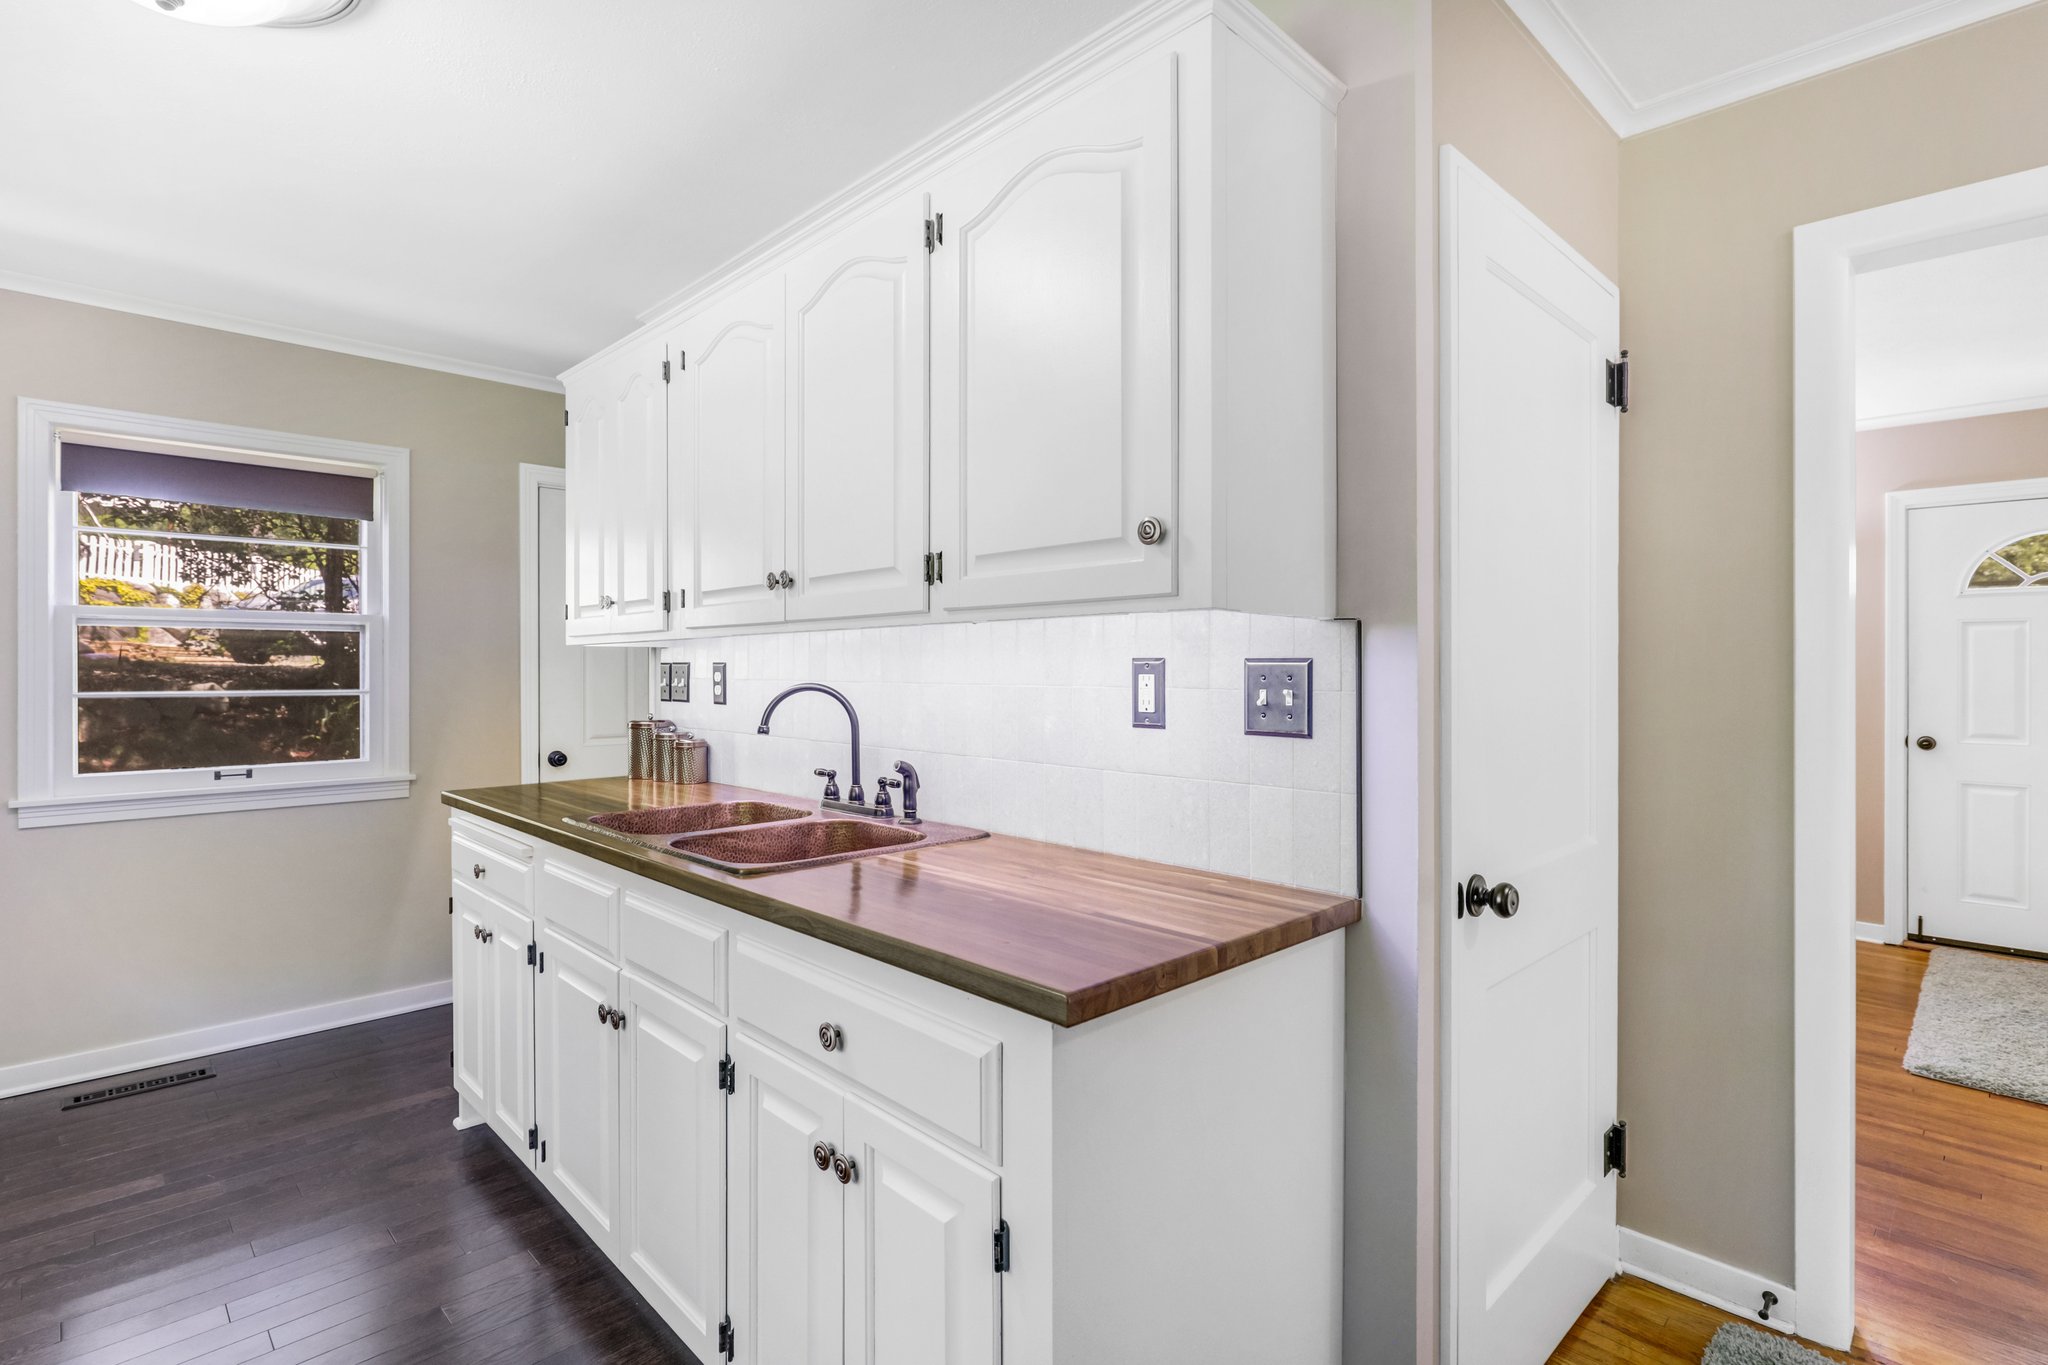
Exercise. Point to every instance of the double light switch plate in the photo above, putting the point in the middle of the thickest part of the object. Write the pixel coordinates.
(675, 681)
(1277, 696)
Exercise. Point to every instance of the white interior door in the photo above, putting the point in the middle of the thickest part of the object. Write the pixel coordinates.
(586, 693)
(786, 1216)
(1976, 774)
(726, 449)
(1528, 667)
(857, 409)
(1053, 317)
(672, 1160)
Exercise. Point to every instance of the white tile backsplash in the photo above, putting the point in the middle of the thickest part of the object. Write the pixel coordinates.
(1023, 727)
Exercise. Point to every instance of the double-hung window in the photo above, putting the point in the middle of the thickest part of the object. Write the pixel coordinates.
(212, 618)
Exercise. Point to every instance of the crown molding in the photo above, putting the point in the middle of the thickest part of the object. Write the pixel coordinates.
(1954, 413)
(254, 327)
(1550, 26)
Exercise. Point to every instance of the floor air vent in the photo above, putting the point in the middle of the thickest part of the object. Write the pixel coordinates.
(122, 1092)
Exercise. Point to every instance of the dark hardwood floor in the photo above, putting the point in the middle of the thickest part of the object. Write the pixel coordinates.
(312, 1203)
(1951, 1216)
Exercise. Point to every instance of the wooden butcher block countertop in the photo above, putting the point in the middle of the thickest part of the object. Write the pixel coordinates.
(1060, 933)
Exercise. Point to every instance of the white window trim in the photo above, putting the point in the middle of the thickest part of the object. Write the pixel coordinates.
(47, 792)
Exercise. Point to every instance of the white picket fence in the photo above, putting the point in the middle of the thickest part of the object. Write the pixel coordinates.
(156, 563)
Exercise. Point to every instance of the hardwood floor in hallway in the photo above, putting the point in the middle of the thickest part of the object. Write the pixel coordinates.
(1951, 1217)
(312, 1203)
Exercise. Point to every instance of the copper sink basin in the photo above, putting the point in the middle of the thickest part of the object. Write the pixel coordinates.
(772, 848)
(659, 821)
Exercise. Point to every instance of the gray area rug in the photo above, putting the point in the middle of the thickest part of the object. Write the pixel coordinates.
(1735, 1344)
(1982, 1021)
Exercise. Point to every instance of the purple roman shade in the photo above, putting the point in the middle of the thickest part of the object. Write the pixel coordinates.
(220, 483)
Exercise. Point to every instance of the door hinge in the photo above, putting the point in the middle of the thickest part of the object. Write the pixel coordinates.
(934, 568)
(664, 372)
(682, 360)
(565, 417)
(725, 1338)
(728, 1076)
(927, 568)
(451, 905)
(451, 1059)
(532, 1138)
(1614, 1151)
(930, 242)
(664, 599)
(1617, 382)
(543, 964)
(532, 954)
(1002, 1246)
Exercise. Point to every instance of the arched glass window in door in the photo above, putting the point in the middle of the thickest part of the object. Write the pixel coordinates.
(2022, 564)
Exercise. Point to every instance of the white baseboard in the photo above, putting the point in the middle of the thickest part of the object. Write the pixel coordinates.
(1703, 1278)
(24, 1077)
(1868, 932)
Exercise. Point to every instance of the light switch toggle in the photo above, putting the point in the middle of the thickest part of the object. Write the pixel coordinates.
(1278, 696)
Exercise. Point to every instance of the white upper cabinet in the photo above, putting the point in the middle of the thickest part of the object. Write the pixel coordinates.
(1053, 353)
(1078, 354)
(726, 459)
(857, 410)
(617, 457)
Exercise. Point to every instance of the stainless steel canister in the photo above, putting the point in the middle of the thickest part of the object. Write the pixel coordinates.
(693, 758)
(642, 734)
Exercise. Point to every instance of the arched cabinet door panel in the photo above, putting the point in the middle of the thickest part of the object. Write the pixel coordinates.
(1053, 368)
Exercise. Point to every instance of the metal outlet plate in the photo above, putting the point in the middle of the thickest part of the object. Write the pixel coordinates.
(1279, 697)
(679, 681)
(1148, 694)
(717, 684)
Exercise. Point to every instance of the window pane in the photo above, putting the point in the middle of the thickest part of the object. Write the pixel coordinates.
(198, 518)
(151, 734)
(144, 658)
(1992, 574)
(2029, 556)
(163, 571)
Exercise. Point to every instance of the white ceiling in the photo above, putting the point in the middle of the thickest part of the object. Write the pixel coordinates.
(492, 186)
(1646, 63)
(1956, 336)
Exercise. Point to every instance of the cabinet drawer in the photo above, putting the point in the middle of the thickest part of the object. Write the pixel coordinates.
(580, 903)
(663, 941)
(930, 1066)
(490, 868)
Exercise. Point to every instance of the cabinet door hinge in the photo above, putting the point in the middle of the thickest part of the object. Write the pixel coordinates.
(532, 954)
(934, 568)
(927, 568)
(451, 905)
(1614, 1151)
(664, 599)
(532, 1138)
(725, 1338)
(665, 378)
(930, 242)
(565, 417)
(1617, 383)
(682, 360)
(728, 1076)
(1002, 1246)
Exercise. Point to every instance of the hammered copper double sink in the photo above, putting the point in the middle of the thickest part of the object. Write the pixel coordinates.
(748, 837)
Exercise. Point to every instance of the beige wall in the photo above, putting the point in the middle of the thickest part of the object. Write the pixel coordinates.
(1707, 212)
(122, 932)
(2011, 445)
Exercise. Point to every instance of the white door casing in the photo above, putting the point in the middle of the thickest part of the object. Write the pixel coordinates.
(726, 458)
(1053, 367)
(1529, 598)
(672, 1160)
(580, 698)
(1977, 801)
(785, 1218)
(921, 1286)
(857, 418)
(577, 1080)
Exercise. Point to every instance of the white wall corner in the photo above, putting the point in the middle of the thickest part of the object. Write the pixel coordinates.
(1707, 1280)
(1868, 932)
(24, 1077)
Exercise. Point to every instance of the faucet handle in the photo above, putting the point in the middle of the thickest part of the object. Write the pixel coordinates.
(882, 803)
(831, 777)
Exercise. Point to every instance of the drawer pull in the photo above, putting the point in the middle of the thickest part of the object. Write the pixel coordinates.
(830, 1038)
(477, 871)
(843, 1167)
(823, 1155)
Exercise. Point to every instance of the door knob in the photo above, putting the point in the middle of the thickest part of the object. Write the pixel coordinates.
(556, 758)
(823, 1154)
(1924, 742)
(1503, 899)
(844, 1169)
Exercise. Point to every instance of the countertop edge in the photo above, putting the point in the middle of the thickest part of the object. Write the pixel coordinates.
(1055, 1006)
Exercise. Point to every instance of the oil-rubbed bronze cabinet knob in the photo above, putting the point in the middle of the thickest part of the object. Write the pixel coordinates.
(844, 1169)
(830, 1038)
(477, 871)
(823, 1154)
(1924, 742)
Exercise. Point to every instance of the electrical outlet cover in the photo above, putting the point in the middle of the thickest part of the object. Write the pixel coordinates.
(1148, 694)
(1279, 697)
(717, 684)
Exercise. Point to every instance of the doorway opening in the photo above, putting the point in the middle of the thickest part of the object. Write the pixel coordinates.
(1921, 501)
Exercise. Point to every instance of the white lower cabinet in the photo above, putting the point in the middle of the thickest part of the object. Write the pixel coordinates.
(672, 1118)
(802, 1156)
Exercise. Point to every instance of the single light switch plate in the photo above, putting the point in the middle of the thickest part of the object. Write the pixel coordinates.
(667, 692)
(1277, 697)
(680, 681)
(1148, 694)
(717, 684)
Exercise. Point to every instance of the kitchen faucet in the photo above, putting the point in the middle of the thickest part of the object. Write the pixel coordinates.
(855, 797)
